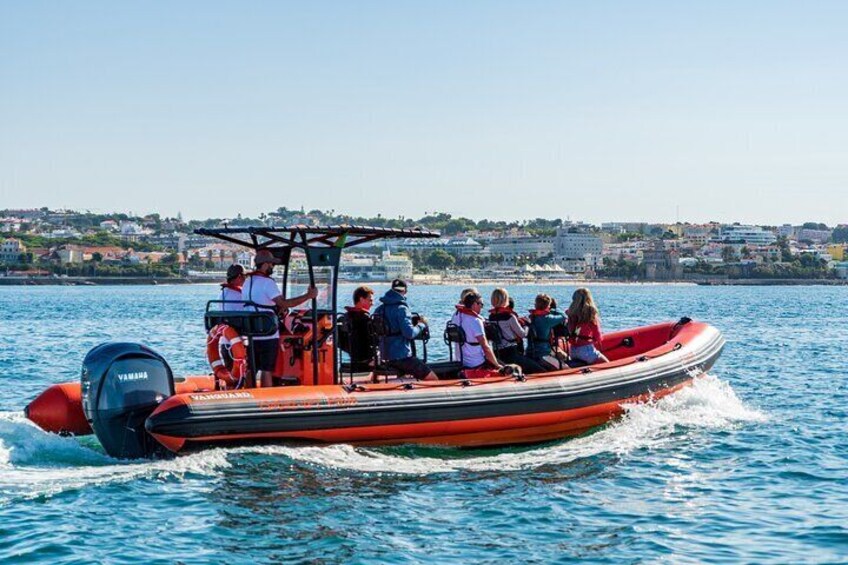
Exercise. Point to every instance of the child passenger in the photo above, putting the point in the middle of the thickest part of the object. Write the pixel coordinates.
(542, 322)
(584, 328)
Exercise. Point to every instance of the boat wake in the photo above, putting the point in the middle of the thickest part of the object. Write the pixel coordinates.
(36, 464)
(709, 403)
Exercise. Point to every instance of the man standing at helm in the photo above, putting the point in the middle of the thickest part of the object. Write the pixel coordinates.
(261, 290)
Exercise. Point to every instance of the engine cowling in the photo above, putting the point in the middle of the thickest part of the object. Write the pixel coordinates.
(122, 383)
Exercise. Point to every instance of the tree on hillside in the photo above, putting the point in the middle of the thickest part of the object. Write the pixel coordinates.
(440, 259)
(814, 226)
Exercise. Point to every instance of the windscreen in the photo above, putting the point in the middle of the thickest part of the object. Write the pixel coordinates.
(298, 283)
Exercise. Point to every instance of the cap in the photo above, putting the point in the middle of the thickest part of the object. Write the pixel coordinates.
(398, 284)
(233, 271)
(265, 256)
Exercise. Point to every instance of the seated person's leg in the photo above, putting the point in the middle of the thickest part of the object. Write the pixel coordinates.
(415, 367)
(588, 354)
(529, 366)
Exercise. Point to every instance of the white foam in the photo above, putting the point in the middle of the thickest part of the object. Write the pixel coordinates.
(37, 464)
(708, 403)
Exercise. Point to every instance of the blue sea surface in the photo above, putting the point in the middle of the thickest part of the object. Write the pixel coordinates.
(748, 465)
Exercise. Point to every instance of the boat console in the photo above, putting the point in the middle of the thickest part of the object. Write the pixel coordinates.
(309, 256)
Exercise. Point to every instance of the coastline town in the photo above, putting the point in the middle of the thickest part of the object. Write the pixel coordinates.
(44, 246)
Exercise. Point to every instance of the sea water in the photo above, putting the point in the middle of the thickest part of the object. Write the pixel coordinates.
(748, 465)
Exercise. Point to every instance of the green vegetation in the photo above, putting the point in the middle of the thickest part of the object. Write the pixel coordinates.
(99, 239)
(94, 269)
(621, 269)
(840, 234)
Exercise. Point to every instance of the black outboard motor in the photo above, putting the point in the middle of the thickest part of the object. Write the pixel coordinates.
(122, 383)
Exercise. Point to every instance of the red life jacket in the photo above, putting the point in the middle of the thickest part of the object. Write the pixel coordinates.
(463, 310)
(358, 310)
(578, 339)
(502, 310)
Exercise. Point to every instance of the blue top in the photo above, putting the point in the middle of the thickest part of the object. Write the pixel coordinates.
(539, 345)
(398, 317)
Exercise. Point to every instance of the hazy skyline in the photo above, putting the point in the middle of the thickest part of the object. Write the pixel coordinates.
(601, 112)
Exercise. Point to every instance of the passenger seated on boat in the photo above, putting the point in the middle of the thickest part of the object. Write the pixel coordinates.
(524, 323)
(395, 345)
(357, 319)
(542, 322)
(510, 334)
(584, 328)
(261, 290)
(477, 352)
(231, 290)
(455, 318)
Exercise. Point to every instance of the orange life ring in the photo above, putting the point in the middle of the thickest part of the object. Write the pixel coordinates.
(236, 344)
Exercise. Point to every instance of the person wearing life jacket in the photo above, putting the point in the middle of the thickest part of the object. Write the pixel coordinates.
(477, 352)
(395, 346)
(358, 320)
(260, 290)
(524, 323)
(542, 321)
(511, 332)
(584, 328)
(231, 290)
(455, 317)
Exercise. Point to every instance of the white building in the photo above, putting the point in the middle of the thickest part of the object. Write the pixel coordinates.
(458, 246)
(10, 224)
(754, 235)
(131, 231)
(63, 233)
(575, 246)
(355, 267)
(816, 236)
(697, 234)
(10, 251)
(512, 247)
(612, 227)
(786, 230)
(396, 266)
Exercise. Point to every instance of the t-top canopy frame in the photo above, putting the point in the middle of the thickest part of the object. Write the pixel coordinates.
(322, 246)
(305, 237)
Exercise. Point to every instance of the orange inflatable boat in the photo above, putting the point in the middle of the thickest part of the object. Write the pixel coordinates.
(129, 397)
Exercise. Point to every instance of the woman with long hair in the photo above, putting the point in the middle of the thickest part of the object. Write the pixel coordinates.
(584, 328)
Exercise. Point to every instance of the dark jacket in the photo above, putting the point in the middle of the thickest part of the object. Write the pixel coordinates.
(398, 321)
(356, 340)
(539, 344)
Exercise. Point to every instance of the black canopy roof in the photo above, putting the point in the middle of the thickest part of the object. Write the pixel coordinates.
(303, 236)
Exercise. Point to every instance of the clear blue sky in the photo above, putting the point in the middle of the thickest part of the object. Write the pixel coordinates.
(732, 111)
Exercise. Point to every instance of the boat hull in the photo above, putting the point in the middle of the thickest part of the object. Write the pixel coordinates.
(482, 412)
